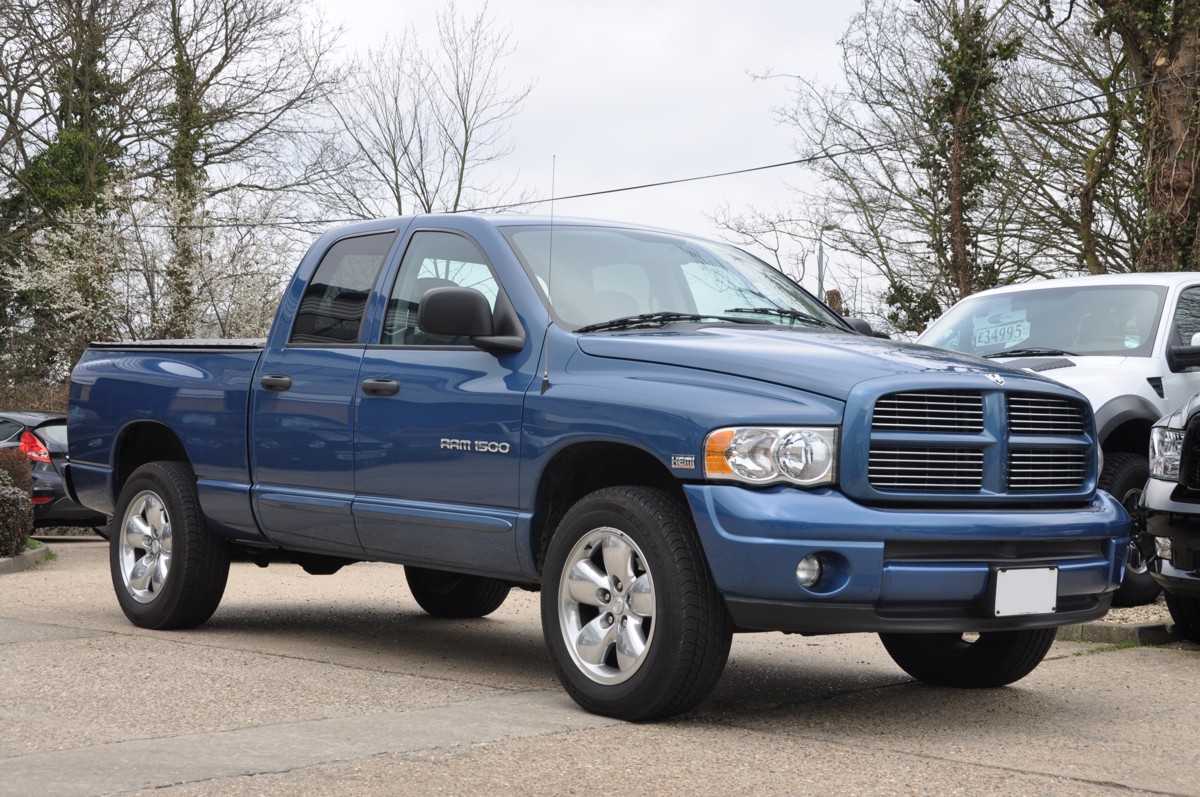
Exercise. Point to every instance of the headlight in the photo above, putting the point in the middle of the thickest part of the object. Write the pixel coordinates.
(761, 455)
(1165, 448)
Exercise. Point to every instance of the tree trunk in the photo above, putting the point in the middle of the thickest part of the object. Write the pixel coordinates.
(960, 259)
(1162, 44)
(1172, 148)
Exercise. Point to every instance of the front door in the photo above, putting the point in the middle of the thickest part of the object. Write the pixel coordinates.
(438, 435)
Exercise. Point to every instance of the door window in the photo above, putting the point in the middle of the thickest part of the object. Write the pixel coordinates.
(434, 260)
(1187, 315)
(9, 429)
(332, 308)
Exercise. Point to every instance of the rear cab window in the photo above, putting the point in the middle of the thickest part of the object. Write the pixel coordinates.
(332, 308)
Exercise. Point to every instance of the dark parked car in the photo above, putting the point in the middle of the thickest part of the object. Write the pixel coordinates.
(42, 436)
(1171, 502)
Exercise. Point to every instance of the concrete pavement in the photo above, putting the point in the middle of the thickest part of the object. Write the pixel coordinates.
(340, 685)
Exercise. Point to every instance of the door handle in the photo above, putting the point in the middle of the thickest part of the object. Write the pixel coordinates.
(276, 383)
(380, 387)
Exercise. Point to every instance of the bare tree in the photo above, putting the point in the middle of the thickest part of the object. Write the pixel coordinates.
(905, 156)
(1161, 40)
(70, 73)
(146, 123)
(242, 78)
(1070, 149)
(420, 124)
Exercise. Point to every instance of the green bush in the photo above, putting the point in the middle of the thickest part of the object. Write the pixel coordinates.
(18, 467)
(16, 508)
(16, 520)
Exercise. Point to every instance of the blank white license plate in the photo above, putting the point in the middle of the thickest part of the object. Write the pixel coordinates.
(1026, 590)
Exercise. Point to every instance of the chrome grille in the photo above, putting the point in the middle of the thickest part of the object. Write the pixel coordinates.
(1191, 478)
(1046, 469)
(967, 445)
(1048, 415)
(951, 411)
(925, 469)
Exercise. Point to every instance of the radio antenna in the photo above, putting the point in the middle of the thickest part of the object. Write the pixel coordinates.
(549, 277)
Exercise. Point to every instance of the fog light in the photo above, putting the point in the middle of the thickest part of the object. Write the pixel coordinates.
(1162, 548)
(808, 572)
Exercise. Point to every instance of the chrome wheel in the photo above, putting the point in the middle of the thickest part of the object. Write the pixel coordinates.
(606, 606)
(145, 546)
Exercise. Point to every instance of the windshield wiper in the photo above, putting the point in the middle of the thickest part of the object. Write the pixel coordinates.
(782, 312)
(1030, 351)
(654, 319)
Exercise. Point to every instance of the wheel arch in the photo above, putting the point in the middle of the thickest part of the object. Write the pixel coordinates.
(1123, 424)
(142, 442)
(583, 468)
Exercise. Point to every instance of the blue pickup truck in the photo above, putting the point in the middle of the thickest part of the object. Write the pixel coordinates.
(669, 439)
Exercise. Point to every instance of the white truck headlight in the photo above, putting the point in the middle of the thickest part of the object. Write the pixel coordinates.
(1166, 445)
(806, 456)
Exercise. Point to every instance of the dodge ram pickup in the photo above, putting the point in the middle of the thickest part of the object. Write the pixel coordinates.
(668, 438)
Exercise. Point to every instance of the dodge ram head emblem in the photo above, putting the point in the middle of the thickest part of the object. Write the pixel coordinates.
(999, 380)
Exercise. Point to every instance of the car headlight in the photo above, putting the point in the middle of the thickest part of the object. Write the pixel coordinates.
(1165, 447)
(765, 454)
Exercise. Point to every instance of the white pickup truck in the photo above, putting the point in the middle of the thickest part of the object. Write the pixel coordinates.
(1129, 342)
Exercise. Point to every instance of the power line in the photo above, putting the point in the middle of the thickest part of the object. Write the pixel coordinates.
(866, 149)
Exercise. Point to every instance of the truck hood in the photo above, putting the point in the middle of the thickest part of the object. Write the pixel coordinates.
(826, 363)
(1101, 379)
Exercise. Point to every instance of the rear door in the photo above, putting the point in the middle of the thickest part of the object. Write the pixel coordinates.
(437, 443)
(302, 446)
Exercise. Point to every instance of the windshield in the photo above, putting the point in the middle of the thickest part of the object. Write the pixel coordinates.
(601, 274)
(1115, 320)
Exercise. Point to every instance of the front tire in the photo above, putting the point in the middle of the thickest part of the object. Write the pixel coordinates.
(455, 595)
(1185, 613)
(635, 625)
(995, 658)
(168, 569)
(1124, 477)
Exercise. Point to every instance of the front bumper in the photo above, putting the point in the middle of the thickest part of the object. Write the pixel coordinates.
(1179, 521)
(887, 569)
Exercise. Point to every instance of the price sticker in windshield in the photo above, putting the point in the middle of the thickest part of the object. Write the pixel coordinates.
(1010, 329)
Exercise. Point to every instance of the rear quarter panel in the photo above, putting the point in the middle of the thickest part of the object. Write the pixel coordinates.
(197, 393)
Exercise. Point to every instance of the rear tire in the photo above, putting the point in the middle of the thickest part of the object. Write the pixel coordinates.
(634, 623)
(996, 658)
(1124, 477)
(455, 595)
(1185, 613)
(168, 569)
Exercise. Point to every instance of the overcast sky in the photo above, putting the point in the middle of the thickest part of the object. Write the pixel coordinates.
(628, 92)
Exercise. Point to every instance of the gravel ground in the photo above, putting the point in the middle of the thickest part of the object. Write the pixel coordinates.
(1150, 613)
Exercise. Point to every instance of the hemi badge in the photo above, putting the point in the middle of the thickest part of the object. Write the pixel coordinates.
(683, 462)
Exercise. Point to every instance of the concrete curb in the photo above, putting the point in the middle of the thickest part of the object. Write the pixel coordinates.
(26, 560)
(1120, 634)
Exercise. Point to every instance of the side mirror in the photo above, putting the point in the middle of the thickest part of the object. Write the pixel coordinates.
(466, 313)
(1181, 358)
(863, 326)
(860, 325)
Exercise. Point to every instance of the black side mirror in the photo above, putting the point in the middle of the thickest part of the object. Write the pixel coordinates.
(863, 326)
(463, 312)
(1181, 358)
